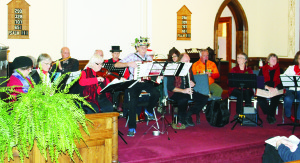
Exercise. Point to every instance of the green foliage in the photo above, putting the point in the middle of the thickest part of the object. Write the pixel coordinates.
(45, 114)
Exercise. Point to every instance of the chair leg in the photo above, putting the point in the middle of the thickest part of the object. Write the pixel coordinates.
(198, 118)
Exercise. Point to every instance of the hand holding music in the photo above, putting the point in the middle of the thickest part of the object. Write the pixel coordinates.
(284, 142)
(272, 90)
(100, 79)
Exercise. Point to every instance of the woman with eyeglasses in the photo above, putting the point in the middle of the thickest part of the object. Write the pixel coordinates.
(173, 55)
(241, 68)
(44, 62)
(92, 85)
(20, 79)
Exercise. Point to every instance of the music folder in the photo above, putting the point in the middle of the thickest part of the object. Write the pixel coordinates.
(118, 85)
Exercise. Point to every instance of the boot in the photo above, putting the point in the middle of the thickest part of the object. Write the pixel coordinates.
(189, 121)
(181, 120)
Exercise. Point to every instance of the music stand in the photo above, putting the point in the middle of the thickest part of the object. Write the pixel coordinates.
(170, 69)
(115, 86)
(242, 81)
(111, 68)
(291, 81)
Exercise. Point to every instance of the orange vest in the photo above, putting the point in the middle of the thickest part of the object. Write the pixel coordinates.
(199, 68)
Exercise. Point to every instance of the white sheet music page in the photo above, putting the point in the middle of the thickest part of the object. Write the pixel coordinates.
(171, 69)
(185, 69)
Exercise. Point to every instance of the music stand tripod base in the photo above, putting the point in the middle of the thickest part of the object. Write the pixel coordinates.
(164, 126)
(240, 118)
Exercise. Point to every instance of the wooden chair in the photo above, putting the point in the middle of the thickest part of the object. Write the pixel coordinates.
(194, 54)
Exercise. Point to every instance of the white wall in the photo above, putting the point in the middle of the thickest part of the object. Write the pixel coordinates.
(45, 29)
(268, 27)
(98, 24)
(88, 25)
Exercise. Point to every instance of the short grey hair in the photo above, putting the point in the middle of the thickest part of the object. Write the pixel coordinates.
(44, 57)
(94, 59)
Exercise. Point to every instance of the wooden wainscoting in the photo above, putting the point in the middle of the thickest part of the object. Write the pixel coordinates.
(101, 146)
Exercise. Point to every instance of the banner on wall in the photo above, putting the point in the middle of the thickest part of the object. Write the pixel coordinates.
(18, 19)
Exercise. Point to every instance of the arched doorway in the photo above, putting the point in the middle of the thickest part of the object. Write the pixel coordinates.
(241, 23)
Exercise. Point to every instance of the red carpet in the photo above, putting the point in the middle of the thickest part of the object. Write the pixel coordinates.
(202, 143)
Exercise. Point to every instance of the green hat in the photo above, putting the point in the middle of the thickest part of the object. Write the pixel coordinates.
(143, 41)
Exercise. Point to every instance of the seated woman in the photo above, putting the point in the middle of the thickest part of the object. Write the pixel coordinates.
(282, 152)
(290, 93)
(237, 92)
(44, 62)
(271, 73)
(92, 85)
(20, 78)
(173, 55)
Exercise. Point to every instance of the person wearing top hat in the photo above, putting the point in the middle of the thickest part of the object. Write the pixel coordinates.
(133, 93)
(115, 52)
(20, 79)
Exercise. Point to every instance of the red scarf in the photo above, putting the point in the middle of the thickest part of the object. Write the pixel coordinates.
(266, 72)
(91, 90)
(297, 70)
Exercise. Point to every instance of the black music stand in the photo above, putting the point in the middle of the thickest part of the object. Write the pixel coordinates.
(114, 87)
(111, 68)
(242, 81)
(170, 69)
(291, 81)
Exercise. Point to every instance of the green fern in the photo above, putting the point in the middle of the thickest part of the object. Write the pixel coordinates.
(45, 114)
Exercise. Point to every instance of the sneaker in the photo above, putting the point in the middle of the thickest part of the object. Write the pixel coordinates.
(150, 116)
(131, 132)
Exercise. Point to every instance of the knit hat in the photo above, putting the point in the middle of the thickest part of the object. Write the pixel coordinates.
(21, 61)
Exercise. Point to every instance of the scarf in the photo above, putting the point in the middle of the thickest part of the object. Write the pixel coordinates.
(25, 83)
(91, 90)
(266, 73)
(297, 70)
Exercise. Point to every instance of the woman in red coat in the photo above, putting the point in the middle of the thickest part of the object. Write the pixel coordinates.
(92, 85)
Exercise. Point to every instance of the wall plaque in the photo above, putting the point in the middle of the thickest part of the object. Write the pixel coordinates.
(184, 23)
(18, 19)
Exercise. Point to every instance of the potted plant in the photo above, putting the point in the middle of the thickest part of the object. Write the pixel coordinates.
(45, 115)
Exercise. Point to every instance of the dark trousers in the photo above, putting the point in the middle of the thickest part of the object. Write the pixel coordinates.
(271, 155)
(266, 108)
(132, 100)
(104, 103)
(247, 94)
(182, 102)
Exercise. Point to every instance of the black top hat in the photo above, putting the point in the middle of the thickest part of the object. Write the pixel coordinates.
(21, 61)
(115, 49)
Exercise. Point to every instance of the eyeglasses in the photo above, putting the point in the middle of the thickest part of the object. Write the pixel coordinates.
(99, 64)
(174, 56)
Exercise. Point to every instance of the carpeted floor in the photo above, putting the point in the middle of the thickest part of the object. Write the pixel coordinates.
(202, 143)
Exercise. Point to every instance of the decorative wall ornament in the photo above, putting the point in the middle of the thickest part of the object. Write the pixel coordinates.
(184, 23)
(18, 19)
(291, 28)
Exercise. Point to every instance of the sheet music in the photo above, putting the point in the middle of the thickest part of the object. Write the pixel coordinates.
(266, 93)
(288, 80)
(172, 68)
(185, 69)
(73, 75)
(142, 70)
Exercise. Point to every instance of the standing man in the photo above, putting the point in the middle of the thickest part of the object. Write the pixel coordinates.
(211, 70)
(133, 93)
(66, 64)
